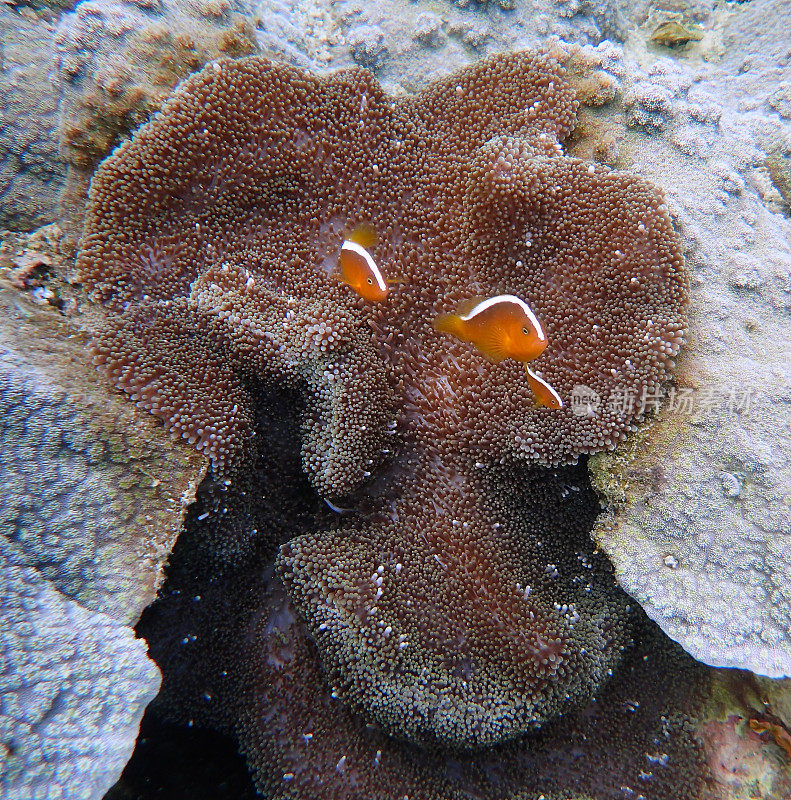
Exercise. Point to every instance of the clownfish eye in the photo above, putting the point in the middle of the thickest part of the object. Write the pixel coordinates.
(370, 281)
(526, 331)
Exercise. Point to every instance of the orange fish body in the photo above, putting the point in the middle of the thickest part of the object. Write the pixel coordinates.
(545, 395)
(358, 268)
(500, 327)
(781, 735)
(503, 327)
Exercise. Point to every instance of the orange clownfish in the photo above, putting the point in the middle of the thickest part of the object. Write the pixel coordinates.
(358, 268)
(780, 734)
(503, 327)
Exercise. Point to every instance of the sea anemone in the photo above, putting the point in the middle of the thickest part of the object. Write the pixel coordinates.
(447, 594)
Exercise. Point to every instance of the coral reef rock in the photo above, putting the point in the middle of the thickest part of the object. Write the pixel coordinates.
(92, 499)
(74, 686)
(31, 171)
(92, 495)
(699, 520)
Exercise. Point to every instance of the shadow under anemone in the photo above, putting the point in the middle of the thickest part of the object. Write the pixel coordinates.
(242, 674)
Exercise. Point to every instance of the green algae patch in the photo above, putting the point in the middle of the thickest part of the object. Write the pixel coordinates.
(676, 32)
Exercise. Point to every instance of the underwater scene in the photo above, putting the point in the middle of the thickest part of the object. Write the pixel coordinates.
(395, 400)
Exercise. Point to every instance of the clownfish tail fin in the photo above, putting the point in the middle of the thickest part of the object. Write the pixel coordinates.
(447, 323)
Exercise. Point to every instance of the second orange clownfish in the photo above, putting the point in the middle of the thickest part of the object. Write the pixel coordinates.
(503, 327)
(357, 265)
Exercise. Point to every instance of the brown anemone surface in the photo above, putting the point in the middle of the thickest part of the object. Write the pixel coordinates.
(453, 602)
(213, 236)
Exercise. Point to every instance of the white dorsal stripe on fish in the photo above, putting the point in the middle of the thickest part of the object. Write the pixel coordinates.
(506, 298)
(361, 251)
(545, 385)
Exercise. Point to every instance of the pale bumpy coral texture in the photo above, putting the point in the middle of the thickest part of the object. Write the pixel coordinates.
(74, 685)
(458, 603)
(91, 501)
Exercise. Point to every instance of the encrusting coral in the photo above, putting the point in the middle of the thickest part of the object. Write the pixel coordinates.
(455, 604)
(92, 495)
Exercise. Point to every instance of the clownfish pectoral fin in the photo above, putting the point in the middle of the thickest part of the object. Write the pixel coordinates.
(491, 343)
(338, 277)
(365, 235)
(545, 395)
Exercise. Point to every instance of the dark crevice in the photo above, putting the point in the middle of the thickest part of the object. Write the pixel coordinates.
(230, 535)
(177, 762)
